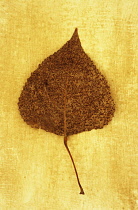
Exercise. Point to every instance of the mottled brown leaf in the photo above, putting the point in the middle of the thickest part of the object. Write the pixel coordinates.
(67, 94)
(89, 104)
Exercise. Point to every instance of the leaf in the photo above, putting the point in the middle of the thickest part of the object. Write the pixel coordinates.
(67, 94)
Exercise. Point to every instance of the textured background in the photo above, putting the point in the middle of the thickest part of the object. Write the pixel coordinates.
(35, 169)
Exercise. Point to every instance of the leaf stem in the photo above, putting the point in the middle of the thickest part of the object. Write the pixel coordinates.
(65, 143)
(65, 140)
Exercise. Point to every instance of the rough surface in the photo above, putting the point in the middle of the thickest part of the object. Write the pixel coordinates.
(89, 104)
(35, 169)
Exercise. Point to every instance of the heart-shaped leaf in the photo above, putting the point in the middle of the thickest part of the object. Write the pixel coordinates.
(67, 94)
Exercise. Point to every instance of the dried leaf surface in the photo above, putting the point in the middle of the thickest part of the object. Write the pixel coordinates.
(69, 73)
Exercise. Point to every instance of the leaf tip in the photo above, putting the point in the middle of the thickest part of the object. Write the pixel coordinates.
(76, 30)
(75, 35)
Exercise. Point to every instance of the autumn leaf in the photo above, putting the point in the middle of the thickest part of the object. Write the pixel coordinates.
(67, 95)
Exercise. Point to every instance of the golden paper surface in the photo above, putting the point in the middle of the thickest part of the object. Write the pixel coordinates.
(35, 169)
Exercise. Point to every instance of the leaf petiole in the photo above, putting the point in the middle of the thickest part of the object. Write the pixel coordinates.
(65, 143)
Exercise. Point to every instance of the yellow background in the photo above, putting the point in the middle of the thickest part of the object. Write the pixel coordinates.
(35, 169)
